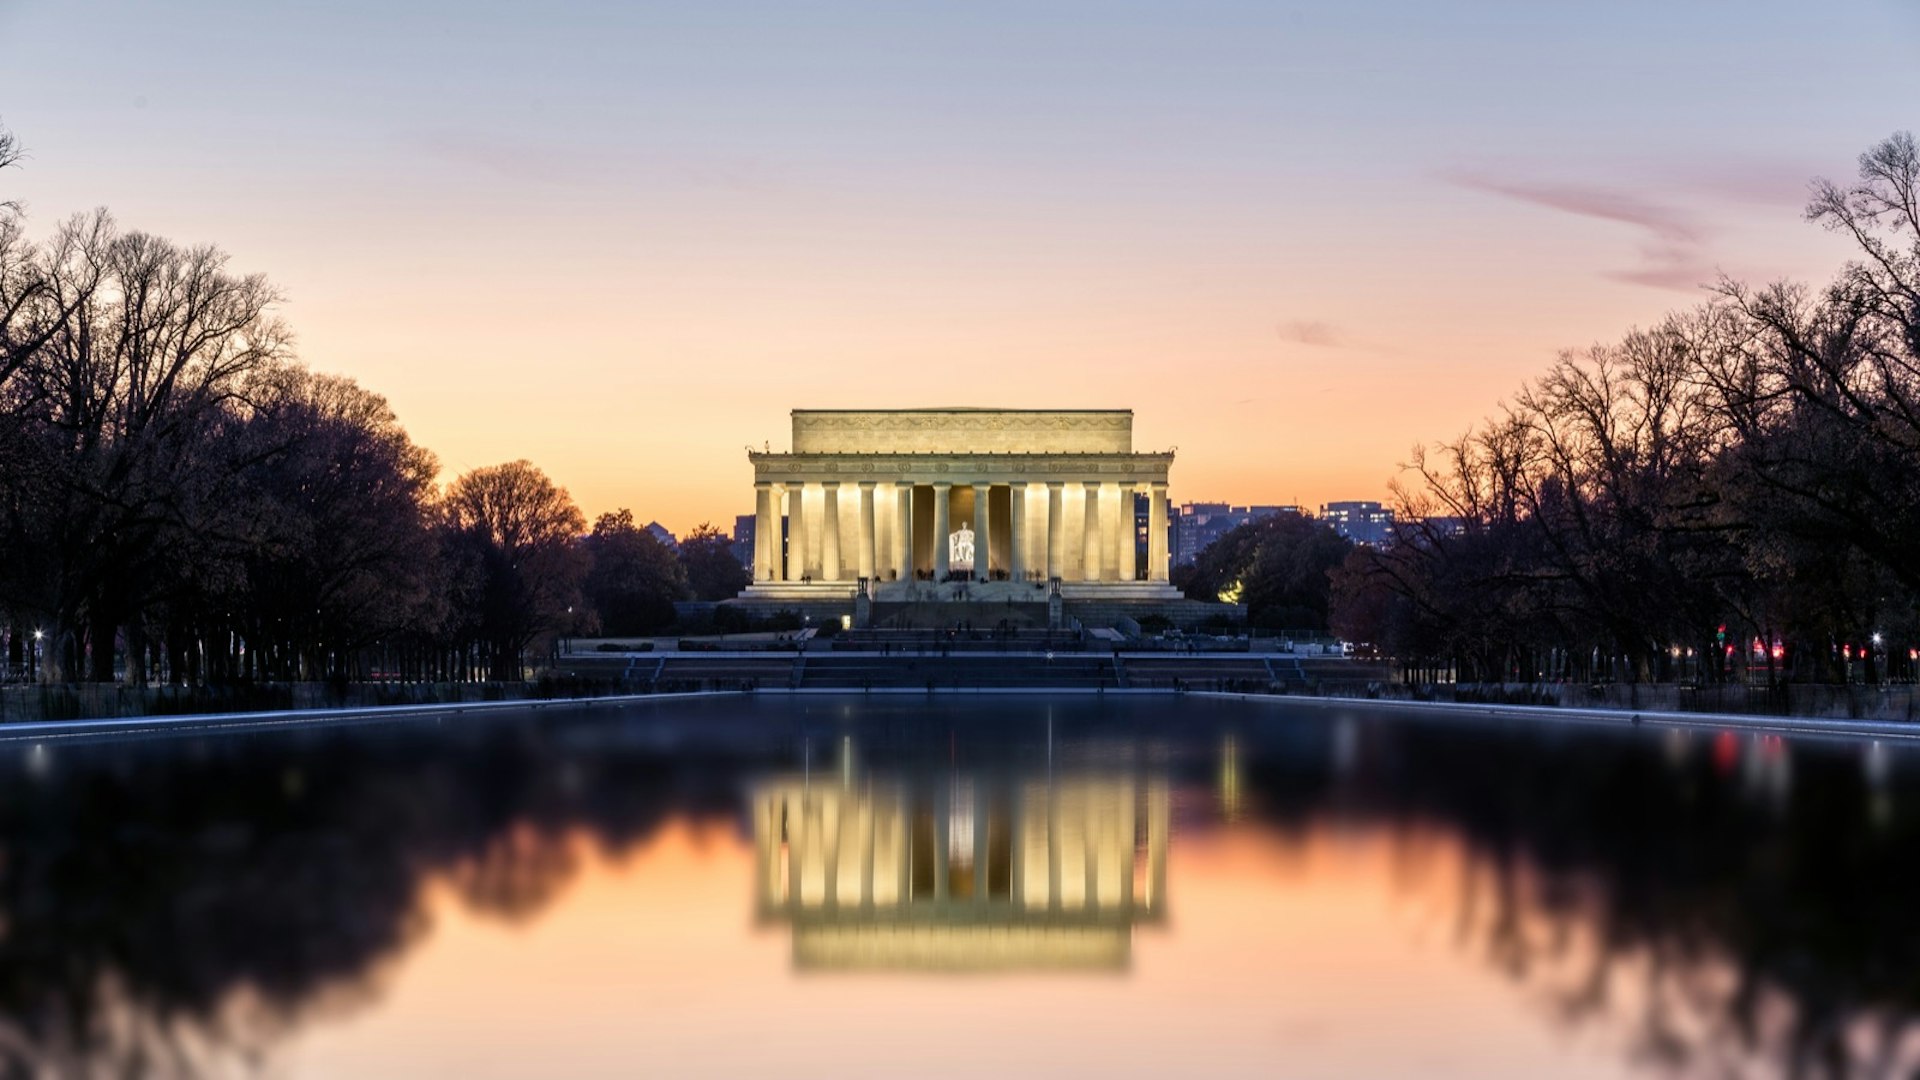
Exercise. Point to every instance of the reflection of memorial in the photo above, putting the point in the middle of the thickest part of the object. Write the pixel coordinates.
(962, 872)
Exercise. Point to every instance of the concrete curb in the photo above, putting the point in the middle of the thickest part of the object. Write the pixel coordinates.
(1791, 725)
(42, 730)
(34, 731)
(38, 730)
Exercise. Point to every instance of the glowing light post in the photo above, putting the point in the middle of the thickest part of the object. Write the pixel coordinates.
(34, 672)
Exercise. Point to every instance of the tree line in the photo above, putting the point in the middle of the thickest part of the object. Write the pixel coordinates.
(1733, 493)
(182, 500)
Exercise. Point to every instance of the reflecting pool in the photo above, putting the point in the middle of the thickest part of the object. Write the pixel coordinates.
(967, 887)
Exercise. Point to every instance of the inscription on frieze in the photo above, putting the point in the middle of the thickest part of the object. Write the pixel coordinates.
(962, 431)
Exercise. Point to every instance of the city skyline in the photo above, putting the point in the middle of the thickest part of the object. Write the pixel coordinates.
(622, 242)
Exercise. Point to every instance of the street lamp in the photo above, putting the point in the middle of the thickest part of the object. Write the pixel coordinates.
(34, 674)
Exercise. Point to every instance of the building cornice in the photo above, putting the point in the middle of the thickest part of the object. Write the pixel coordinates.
(961, 468)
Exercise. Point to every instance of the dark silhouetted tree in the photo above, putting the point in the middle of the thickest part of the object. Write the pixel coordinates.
(514, 539)
(1277, 566)
(712, 573)
(634, 578)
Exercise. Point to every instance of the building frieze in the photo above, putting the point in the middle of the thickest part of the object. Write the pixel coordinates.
(960, 468)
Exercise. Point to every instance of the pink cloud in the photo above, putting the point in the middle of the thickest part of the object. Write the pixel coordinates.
(1672, 257)
(1309, 332)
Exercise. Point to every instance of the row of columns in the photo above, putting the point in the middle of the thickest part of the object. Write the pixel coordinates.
(1106, 535)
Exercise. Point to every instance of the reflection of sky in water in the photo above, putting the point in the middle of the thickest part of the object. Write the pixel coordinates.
(1127, 888)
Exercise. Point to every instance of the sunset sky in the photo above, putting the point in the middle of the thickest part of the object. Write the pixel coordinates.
(622, 240)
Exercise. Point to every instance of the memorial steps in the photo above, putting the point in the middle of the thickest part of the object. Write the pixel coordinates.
(1036, 660)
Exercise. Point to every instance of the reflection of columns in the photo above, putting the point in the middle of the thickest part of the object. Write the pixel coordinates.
(1159, 815)
(1090, 533)
(866, 529)
(1128, 534)
(981, 870)
(833, 822)
(1056, 528)
(765, 538)
(796, 832)
(1053, 846)
(796, 531)
(903, 530)
(869, 825)
(982, 532)
(942, 820)
(1157, 531)
(830, 531)
(1017, 530)
(940, 529)
(1016, 827)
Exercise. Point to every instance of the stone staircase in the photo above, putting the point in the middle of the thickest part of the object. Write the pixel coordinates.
(914, 642)
(1185, 614)
(967, 671)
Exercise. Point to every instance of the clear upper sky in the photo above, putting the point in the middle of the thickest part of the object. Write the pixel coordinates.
(621, 240)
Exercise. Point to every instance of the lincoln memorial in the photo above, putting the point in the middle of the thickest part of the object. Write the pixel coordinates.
(1011, 503)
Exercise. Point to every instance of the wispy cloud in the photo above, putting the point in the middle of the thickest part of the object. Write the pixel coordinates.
(1310, 332)
(1673, 248)
(1320, 334)
(1776, 183)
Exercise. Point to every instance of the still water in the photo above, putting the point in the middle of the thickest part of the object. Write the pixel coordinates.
(967, 888)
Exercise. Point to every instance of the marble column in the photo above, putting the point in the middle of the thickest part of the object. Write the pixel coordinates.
(1109, 532)
(982, 533)
(941, 528)
(1056, 528)
(766, 536)
(882, 529)
(830, 531)
(796, 531)
(1090, 532)
(867, 541)
(1157, 569)
(903, 530)
(1129, 554)
(1017, 530)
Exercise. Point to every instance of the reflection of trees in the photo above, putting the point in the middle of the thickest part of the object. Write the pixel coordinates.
(156, 914)
(167, 905)
(1736, 917)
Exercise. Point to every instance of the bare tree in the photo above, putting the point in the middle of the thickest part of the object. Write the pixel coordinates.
(518, 536)
(9, 157)
(153, 351)
(25, 319)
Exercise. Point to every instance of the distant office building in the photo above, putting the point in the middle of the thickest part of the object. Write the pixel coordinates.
(1367, 523)
(661, 534)
(742, 545)
(1195, 525)
(744, 527)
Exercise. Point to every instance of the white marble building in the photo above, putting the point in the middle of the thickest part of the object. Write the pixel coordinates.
(1011, 499)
